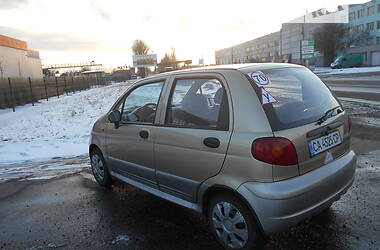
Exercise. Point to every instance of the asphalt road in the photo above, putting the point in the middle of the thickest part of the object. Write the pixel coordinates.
(367, 88)
(73, 212)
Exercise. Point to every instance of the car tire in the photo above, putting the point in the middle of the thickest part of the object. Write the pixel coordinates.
(99, 168)
(236, 230)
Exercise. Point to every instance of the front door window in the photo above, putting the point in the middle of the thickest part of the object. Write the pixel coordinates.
(140, 105)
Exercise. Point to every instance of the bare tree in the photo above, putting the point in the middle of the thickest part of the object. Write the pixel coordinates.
(170, 59)
(139, 47)
(328, 40)
(173, 57)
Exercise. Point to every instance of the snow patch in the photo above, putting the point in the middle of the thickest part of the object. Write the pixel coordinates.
(33, 171)
(121, 239)
(59, 127)
(368, 121)
(357, 107)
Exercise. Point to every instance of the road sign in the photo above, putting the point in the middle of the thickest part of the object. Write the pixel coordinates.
(259, 78)
(307, 49)
(141, 61)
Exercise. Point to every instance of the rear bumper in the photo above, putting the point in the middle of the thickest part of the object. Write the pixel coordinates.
(279, 205)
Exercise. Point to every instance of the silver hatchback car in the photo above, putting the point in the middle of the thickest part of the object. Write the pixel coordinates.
(256, 148)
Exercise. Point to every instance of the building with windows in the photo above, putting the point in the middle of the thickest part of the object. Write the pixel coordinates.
(303, 28)
(291, 35)
(362, 23)
(262, 49)
(16, 60)
(363, 31)
(284, 45)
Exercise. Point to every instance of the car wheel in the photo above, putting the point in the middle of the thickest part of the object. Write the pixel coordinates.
(99, 168)
(233, 224)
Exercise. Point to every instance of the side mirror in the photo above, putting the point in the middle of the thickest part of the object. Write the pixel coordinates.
(114, 117)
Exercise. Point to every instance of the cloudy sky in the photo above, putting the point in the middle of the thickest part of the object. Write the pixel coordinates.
(70, 31)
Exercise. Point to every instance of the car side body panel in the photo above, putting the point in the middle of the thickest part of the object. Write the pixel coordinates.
(98, 136)
(182, 160)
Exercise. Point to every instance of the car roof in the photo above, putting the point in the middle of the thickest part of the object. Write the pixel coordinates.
(247, 67)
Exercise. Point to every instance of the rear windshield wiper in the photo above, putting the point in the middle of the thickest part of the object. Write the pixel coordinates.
(326, 115)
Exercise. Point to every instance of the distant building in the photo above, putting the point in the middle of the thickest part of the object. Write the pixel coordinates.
(94, 73)
(262, 49)
(363, 31)
(284, 45)
(16, 60)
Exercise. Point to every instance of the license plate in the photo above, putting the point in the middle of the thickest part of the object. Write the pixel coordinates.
(324, 143)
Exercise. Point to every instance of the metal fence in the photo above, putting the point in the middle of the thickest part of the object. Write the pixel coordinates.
(19, 91)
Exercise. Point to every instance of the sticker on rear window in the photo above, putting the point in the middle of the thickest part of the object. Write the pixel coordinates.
(267, 98)
(259, 78)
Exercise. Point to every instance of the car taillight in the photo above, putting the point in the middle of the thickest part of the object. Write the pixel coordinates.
(274, 150)
(349, 124)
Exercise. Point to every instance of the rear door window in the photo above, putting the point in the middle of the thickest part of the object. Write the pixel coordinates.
(298, 97)
(198, 103)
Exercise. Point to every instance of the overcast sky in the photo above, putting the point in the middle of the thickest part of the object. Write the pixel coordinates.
(71, 31)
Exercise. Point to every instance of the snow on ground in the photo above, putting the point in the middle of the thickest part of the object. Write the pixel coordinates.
(329, 71)
(360, 107)
(59, 127)
(364, 112)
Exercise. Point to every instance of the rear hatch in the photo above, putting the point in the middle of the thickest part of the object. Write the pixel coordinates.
(301, 108)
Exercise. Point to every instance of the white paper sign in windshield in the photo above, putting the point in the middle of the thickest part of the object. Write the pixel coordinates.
(259, 78)
(267, 98)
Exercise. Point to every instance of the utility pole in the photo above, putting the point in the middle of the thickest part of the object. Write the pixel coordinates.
(303, 37)
(281, 44)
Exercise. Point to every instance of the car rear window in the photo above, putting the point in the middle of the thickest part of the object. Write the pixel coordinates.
(292, 97)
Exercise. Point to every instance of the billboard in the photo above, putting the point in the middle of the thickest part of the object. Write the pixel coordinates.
(141, 61)
(307, 49)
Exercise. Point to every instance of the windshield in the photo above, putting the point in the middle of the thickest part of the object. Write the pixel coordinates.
(293, 97)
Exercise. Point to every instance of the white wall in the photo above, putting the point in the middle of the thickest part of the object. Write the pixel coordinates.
(16, 63)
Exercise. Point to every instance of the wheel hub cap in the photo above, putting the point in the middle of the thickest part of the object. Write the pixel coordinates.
(229, 225)
(97, 166)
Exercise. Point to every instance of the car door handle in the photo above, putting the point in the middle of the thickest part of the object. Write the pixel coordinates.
(144, 134)
(211, 142)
